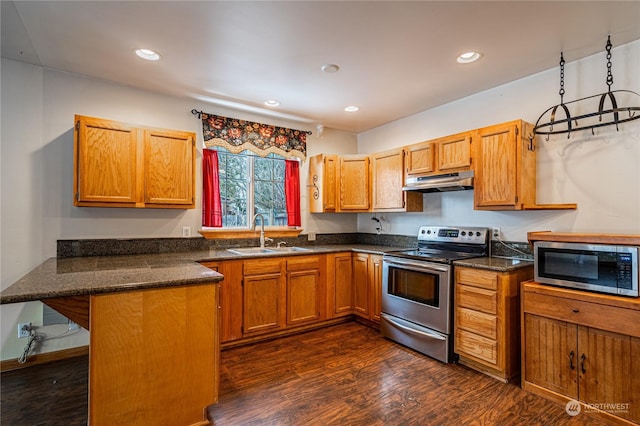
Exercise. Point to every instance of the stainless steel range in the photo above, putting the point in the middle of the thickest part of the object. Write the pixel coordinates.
(417, 288)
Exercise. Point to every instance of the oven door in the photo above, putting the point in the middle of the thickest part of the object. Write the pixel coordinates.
(417, 291)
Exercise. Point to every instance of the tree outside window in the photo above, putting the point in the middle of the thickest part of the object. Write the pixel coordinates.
(250, 185)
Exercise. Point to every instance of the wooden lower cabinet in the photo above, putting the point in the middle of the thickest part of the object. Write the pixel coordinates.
(230, 298)
(274, 295)
(582, 346)
(340, 284)
(375, 282)
(305, 290)
(153, 356)
(263, 295)
(487, 328)
(361, 284)
(367, 286)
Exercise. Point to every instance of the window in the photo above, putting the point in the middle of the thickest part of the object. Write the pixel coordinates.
(250, 184)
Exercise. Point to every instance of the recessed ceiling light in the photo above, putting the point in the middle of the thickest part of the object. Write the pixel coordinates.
(330, 68)
(469, 57)
(147, 54)
(351, 108)
(272, 103)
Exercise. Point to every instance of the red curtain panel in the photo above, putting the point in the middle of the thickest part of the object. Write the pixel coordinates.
(211, 204)
(292, 192)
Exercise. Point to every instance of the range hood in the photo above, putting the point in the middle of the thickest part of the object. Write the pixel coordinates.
(459, 181)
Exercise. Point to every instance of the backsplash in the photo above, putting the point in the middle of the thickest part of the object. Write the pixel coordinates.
(115, 247)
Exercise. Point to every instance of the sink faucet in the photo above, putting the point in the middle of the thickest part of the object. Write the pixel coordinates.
(281, 243)
(262, 238)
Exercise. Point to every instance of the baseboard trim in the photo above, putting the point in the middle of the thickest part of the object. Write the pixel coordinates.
(13, 364)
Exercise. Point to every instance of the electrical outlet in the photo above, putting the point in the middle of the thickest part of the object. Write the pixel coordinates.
(495, 233)
(73, 325)
(311, 236)
(186, 231)
(23, 329)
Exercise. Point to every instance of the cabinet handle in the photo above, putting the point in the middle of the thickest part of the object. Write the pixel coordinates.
(575, 310)
(582, 358)
(571, 355)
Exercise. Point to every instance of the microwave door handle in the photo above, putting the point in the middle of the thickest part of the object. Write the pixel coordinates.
(413, 331)
(418, 266)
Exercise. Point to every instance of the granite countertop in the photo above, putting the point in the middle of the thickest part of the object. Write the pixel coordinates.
(499, 264)
(79, 276)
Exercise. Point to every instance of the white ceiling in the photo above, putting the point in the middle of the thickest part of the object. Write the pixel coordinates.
(396, 58)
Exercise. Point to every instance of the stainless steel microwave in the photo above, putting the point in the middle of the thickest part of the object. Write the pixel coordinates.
(595, 267)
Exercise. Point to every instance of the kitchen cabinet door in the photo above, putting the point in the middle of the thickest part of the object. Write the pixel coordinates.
(608, 369)
(551, 354)
(375, 283)
(169, 178)
(387, 182)
(106, 155)
(505, 167)
(421, 158)
(355, 188)
(304, 290)
(263, 296)
(454, 152)
(230, 298)
(361, 284)
(323, 183)
(340, 289)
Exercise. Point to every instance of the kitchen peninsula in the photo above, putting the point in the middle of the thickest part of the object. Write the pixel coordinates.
(153, 332)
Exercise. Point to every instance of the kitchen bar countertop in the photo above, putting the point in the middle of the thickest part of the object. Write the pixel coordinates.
(500, 264)
(80, 276)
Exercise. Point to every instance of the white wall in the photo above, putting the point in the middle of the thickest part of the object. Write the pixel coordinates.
(600, 173)
(38, 106)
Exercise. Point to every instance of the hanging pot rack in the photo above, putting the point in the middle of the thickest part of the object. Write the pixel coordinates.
(613, 115)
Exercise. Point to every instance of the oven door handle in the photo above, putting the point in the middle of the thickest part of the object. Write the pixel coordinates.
(411, 330)
(417, 265)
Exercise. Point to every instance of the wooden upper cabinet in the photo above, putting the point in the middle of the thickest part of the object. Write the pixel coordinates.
(355, 185)
(421, 158)
(105, 159)
(122, 165)
(323, 183)
(169, 174)
(442, 155)
(504, 167)
(387, 182)
(454, 152)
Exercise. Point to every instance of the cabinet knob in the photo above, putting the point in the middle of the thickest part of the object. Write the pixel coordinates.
(575, 310)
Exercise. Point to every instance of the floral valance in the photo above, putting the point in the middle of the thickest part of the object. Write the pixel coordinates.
(238, 135)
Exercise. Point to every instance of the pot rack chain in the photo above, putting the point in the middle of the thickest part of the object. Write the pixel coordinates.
(548, 127)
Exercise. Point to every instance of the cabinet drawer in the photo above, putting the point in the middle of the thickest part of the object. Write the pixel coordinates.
(262, 266)
(478, 299)
(477, 278)
(477, 322)
(303, 263)
(604, 317)
(468, 343)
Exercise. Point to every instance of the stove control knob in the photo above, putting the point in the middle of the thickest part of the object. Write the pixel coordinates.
(478, 233)
(428, 231)
(422, 231)
(463, 233)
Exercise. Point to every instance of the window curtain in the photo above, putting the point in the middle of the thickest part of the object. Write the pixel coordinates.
(292, 192)
(238, 135)
(211, 203)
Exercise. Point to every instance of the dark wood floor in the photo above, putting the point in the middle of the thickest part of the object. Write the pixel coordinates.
(342, 375)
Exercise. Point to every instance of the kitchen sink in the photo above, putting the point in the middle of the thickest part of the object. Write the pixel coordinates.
(288, 249)
(251, 250)
(266, 250)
